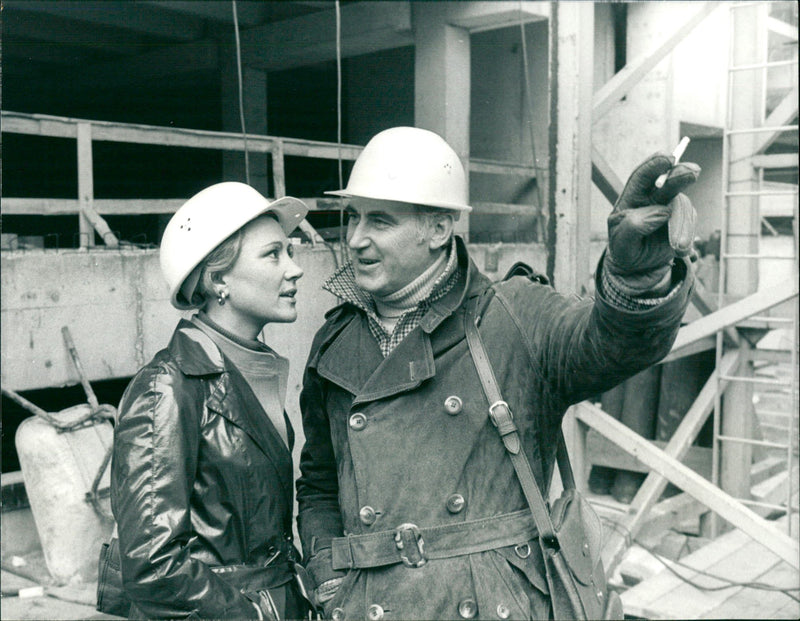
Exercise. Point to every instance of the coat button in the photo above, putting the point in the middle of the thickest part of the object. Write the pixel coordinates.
(375, 613)
(503, 612)
(456, 503)
(367, 515)
(358, 421)
(467, 608)
(337, 614)
(453, 405)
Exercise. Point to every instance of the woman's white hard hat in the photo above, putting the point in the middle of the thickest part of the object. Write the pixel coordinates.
(206, 220)
(409, 165)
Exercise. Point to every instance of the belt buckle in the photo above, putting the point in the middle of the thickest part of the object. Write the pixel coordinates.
(404, 535)
(496, 418)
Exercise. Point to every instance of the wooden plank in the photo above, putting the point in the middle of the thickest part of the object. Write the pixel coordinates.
(637, 600)
(703, 344)
(494, 167)
(706, 305)
(99, 225)
(761, 604)
(504, 209)
(783, 114)
(616, 88)
(85, 184)
(121, 206)
(778, 26)
(776, 160)
(278, 170)
(604, 177)
(681, 476)
(747, 563)
(63, 127)
(602, 452)
(654, 485)
(733, 313)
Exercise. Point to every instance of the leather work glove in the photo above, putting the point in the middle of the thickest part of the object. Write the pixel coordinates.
(640, 256)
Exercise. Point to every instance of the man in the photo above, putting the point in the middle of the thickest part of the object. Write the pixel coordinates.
(409, 507)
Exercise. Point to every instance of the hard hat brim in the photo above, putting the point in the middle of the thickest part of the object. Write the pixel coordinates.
(441, 205)
(289, 211)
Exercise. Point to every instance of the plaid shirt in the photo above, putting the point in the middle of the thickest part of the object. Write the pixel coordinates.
(343, 285)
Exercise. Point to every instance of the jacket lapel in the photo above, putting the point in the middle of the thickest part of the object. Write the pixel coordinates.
(231, 396)
(235, 400)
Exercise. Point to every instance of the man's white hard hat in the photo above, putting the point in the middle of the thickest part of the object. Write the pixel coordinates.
(206, 220)
(409, 165)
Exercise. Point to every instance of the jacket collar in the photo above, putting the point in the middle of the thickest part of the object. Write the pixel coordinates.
(194, 352)
(368, 375)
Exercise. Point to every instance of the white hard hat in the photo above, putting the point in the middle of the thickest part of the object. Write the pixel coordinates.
(409, 165)
(206, 220)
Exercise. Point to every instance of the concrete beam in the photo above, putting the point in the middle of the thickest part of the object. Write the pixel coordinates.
(247, 13)
(480, 16)
(130, 16)
(161, 62)
(365, 27)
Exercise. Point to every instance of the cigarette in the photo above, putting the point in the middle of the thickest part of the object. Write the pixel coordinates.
(677, 154)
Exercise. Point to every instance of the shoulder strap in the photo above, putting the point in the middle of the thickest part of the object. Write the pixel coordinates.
(503, 420)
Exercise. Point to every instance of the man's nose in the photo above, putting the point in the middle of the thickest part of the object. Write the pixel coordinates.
(355, 236)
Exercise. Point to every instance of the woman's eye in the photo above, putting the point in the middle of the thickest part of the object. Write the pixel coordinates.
(290, 251)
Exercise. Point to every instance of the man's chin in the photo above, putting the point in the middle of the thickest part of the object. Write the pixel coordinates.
(369, 285)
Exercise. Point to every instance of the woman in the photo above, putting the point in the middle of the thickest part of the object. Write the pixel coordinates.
(201, 477)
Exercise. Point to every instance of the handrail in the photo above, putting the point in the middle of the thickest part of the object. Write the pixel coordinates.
(89, 131)
(66, 127)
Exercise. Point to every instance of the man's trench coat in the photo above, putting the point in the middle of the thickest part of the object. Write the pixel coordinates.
(411, 442)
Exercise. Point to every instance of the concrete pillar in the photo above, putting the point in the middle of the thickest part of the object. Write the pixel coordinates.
(572, 69)
(254, 96)
(442, 80)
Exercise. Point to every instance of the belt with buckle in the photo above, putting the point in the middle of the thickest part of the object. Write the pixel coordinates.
(413, 545)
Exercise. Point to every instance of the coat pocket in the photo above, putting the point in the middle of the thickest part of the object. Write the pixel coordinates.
(342, 595)
(526, 564)
(111, 598)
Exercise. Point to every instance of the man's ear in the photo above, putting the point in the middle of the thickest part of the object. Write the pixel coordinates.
(442, 231)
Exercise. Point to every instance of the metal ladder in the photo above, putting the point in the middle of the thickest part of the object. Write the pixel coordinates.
(753, 125)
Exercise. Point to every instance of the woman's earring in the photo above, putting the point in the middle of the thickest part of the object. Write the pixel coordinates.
(223, 295)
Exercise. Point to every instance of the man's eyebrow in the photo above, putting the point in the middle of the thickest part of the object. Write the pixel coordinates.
(380, 214)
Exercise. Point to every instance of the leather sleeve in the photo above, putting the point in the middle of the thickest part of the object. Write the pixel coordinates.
(581, 347)
(156, 442)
